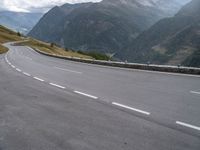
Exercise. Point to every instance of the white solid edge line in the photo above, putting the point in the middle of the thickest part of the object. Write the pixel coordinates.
(6, 58)
(38, 79)
(164, 73)
(131, 108)
(56, 85)
(26, 74)
(84, 94)
(194, 92)
(140, 70)
(18, 69)
(187, 125)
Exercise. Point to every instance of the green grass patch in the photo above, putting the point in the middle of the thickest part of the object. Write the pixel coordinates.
(52, 48)
(7, 35)
(95, 55)
(3, 49)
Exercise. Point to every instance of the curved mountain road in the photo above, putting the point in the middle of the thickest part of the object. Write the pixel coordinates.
(50, 103)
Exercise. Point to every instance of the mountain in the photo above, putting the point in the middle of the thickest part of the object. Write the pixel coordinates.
(18, 21)
(170, 7)
(171, 41)
(105, 26)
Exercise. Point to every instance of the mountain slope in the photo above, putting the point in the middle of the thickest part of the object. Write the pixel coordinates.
(170, 41)
(18, 21)
(106, 26)
(7, 35)
(49, 27)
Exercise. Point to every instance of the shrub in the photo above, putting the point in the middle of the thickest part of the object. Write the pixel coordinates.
(96, 55)
(19, 34)
(52, 44)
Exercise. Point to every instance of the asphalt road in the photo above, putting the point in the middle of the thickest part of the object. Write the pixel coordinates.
(49, 103)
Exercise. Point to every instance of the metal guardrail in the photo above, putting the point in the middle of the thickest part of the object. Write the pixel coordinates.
(150, 67)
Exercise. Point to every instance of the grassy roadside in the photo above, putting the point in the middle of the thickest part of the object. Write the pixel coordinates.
(51, 48)
(7, 35)
(3, 49)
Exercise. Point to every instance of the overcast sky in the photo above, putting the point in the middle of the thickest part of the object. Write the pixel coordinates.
(35, 5)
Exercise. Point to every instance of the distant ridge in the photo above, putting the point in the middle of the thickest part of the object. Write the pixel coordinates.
(171, 41)
(104, 27)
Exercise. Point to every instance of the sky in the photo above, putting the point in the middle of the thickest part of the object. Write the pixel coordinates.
(45, 5)
(35, 5)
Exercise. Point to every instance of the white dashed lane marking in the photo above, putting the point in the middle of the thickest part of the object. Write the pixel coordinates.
(131, 108)
(187, 125)
(94, 97)
(27, 74)
(84, 94)
(18, 70)
(56, 85)
(38, 79)
(195, 92)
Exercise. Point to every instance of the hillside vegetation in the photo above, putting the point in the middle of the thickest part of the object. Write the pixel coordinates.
(7, 35)
(3, 49)
(52, 48)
